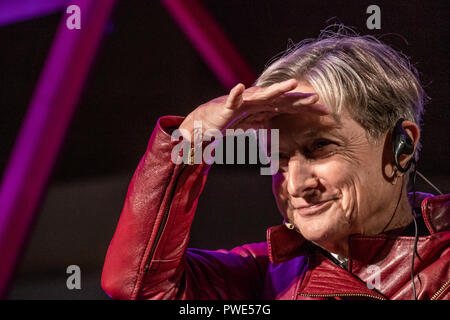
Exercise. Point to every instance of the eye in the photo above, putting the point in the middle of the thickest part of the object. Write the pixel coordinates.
(321, 148)
(320, 144)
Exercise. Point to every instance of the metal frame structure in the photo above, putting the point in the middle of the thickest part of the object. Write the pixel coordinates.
(55, 99)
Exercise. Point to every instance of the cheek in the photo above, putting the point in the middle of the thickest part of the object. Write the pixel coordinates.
(340, 178)
(335, 174)
(359, 196)
(350, 195)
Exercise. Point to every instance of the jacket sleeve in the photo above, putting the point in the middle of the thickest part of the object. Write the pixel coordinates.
(148, 256)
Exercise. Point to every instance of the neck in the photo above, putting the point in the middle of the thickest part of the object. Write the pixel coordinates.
(401, 216)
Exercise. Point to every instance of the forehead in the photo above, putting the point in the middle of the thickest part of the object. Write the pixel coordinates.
(307, 125)
(307, 122)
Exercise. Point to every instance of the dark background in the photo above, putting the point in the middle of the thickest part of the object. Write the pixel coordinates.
(146, 68)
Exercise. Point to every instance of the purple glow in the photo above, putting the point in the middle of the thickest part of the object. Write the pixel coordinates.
(44, 128)
(211, 43)
(19, 10)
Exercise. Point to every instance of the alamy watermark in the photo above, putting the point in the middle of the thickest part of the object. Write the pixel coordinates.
(74, 20)
(374, 280)
(74, 280)
(260, 144)
(374, 20)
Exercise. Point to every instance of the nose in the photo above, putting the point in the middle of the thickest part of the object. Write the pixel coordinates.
(300, 178)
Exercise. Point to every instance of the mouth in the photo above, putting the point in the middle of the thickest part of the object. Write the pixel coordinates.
(313, 209)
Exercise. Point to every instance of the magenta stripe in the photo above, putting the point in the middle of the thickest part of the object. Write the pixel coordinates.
(44, 128)
(210, 41)
(13, 11)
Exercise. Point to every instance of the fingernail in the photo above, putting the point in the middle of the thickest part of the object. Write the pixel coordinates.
(306, 100)
(288, 81)
(236, 87)
(309, 97)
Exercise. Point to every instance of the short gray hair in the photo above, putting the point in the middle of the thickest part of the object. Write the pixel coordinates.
(374, 82)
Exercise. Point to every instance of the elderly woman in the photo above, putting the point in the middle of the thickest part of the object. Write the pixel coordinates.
(348, 110)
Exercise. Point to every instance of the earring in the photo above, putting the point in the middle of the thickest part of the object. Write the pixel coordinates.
(289, 225)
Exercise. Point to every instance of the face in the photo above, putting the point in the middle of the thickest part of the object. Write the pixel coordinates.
(330, 183)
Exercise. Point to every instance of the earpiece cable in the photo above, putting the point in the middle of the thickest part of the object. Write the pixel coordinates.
(416, 233)
(426, 180)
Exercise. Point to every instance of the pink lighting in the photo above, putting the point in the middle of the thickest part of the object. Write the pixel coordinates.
(44, 128)
(211, 43)
(56, 95)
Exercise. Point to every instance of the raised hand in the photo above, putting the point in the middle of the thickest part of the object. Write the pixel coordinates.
(252, 107)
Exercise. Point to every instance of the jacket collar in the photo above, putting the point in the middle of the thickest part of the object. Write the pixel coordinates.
(285, 244)
(436, 213)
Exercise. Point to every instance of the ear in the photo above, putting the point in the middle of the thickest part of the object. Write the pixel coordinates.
(414, 133)
(390, 171)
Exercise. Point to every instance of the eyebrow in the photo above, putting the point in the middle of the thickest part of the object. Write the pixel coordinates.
(324, 128)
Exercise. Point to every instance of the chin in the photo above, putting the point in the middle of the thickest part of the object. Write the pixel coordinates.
(315, 235)
(318, 229)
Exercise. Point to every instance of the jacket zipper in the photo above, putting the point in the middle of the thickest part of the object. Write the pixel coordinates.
(434, 297)
(439, 292)
(342, 295)
(163, 220)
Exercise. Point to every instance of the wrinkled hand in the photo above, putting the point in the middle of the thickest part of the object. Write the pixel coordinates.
(252, 107)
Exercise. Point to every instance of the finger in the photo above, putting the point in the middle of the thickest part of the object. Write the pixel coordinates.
(301, 99)
(315, 108)
(273, 91)
(235, 98)
(296, 98)
(290, 100)
(297, 102)
(297, 95)
(288, 103)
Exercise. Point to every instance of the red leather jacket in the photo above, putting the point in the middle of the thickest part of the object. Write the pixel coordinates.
(148, 256)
